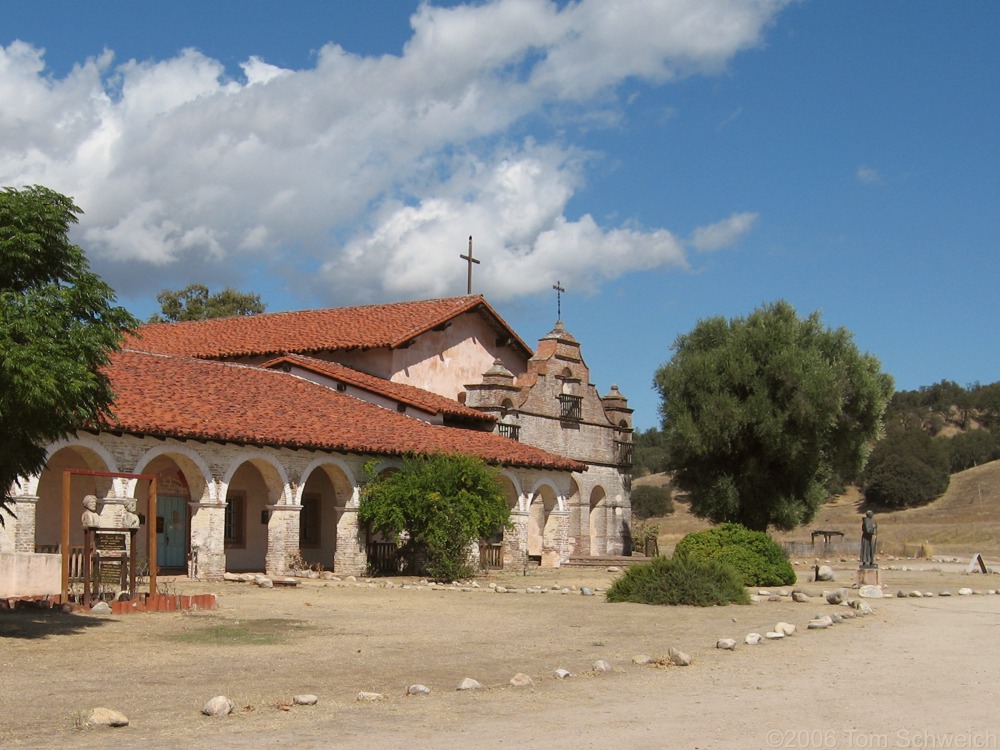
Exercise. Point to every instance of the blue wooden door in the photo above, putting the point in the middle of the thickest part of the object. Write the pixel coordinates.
(171, 531)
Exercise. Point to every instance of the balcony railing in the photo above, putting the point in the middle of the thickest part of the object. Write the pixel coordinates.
(623, 452)
(570, 407)
(512, 431)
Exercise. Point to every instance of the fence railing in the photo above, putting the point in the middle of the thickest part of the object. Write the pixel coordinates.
(490, 556)
(383, 557)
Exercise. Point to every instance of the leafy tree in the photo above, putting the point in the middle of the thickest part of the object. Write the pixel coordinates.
(649, 452)
(194, 302)
(648, 501)
(438, 505)
(968, 449)
(762, 415)
(58, 326)
(756, 557)
(908, 468)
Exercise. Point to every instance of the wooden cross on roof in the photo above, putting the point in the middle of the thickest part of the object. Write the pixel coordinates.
(470, 260)
(559, 290)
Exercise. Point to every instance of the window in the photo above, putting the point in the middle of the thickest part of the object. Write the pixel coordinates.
(509, 430)
(235, 534)
(309, 526)
(570, 407)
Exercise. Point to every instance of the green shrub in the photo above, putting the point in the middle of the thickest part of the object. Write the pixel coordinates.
(673, 580)
(756, 557)
(649, 502)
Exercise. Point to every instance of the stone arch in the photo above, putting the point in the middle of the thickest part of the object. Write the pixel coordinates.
(598, 521)
(190, 463)
(83, 454)
(325, 493)
(541, 520)
(253, 482)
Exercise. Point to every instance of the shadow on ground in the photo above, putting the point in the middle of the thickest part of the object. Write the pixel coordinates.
(37, 622)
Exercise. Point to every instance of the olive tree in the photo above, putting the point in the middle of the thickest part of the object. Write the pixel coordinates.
(763, 414)
(58, 327)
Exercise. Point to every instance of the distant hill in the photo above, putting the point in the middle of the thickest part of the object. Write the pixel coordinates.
(963, 521)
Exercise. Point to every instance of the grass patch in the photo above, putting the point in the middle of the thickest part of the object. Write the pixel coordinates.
(263, 632)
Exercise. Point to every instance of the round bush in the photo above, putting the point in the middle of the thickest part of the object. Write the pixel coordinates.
(676, 580)
(756, 557)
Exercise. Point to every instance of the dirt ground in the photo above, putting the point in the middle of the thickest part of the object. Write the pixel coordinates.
(917, 673)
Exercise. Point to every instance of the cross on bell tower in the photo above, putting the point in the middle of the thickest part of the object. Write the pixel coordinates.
(470, 260)
(559, 291)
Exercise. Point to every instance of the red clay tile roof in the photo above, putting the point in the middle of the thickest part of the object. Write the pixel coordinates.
(197, 399)
(407, 394)
(307, 331)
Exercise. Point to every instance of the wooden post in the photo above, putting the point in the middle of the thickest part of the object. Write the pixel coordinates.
(64, 542)
(151, 534)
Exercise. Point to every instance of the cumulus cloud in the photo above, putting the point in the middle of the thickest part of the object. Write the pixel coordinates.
(367, 168)
(723, 234)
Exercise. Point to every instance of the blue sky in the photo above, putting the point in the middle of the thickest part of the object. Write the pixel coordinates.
(665, 161)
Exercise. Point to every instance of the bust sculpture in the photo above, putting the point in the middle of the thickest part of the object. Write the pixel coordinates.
(130, 520)
(90, 519)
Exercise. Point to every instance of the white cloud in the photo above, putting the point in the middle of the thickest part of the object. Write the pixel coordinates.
(868, 175)
(723, 234)
(374, 167)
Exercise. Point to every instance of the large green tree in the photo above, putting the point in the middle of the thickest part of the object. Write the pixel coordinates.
(763, 414)
(58, 326)
(438, 506)
(194, 302)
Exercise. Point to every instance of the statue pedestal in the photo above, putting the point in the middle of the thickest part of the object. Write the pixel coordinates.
(869, 577)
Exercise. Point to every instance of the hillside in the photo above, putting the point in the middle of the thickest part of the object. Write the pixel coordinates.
(965, 520)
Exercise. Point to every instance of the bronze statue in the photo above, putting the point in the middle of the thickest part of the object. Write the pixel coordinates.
(869, 535)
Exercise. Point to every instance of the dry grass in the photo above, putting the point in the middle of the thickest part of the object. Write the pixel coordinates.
(963, 521)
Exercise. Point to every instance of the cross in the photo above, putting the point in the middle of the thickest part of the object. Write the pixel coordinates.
(559, 290)
(470, 261)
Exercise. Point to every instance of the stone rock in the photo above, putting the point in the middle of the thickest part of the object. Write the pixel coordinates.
(900, 594)
(364, 696)
(825, 573)
(763, 592)
(500, 589)
(836, 618)
(774, 598)
(561, 674)
(862, 608)
(837, 596)
(305, 700)
(753, 639)
(220, 705)
(469, 684)
(642, 659)
(101, 608)
(783, 592)
(521, 680)
(328, 575)
(105, 717)
(601, 666)
(820, 623)
(313, 575)
(247, 577)
(945, 593)
(726, 644)
(916, 594)
(418, 689)
(965, 592)
(264, 582)
(773, 635)
(678, 658)
(586, 591)
(613, 569)
(232, 577)
(754, 598)
(785, 627)
(870, 592)
(564, 590)
(800, 596)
